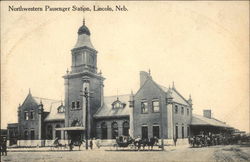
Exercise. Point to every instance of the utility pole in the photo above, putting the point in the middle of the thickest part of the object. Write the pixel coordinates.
(161, 119)
(86, 117)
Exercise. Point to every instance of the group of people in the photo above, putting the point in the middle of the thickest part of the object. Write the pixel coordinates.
(210, 139)
(3, 146)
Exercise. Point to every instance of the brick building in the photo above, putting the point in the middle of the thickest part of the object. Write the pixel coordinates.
(153, 110)
(160, 111)
(37, 119)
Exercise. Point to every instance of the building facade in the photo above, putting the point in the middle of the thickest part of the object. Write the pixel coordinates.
(153, 111)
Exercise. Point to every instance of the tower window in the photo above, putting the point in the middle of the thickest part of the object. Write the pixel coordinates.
(78, 104)
(144, 107)
(156, 106)
(176, 109)
(73, 106)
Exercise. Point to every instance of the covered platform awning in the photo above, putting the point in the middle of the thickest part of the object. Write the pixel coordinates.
(198, 120)
(71, 128)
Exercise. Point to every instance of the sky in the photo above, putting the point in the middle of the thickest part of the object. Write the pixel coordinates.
(202, 46)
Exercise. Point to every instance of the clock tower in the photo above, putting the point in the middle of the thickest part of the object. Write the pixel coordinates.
(83, 75)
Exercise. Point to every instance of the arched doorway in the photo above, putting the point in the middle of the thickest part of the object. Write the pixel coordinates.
(104, 130)
(114, 127)
(125, 128)
(58, 132)
(49, 132)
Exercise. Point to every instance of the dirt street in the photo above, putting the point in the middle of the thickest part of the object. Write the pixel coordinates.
(180, 153)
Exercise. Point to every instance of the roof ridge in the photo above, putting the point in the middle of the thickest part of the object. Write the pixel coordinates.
(117, 95)
(47, 98)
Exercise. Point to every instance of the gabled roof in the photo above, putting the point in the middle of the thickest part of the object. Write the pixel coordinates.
(47, 103)
(201, 120)
(108, 111)
(54, 114)
(177, 97)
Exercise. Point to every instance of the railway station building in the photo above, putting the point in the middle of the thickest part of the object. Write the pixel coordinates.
(152, 111)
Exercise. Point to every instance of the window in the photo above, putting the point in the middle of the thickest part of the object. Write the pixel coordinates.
(188, 131)
(156, 131)
(32, 114)
(144, 132)
(182, 110)
(114, 130)
(32, 134)
(104, 130)
(144, 107)
(156, 106)
(26, 115)
(26, 134)
(176, 109)
(125, 127)
(61, 109)
(187, 111)
(73, 106)
(78, 104)
(118, 104)
(176, 131)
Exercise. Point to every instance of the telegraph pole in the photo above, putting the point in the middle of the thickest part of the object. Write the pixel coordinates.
(161, 121)
(86, 117)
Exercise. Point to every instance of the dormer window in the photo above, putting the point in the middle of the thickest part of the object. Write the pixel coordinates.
(60, 109)
(118, 104)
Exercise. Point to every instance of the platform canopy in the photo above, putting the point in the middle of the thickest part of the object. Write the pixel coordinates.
(71, 128)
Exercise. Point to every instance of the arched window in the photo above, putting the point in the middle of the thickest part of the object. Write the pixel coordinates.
(58, 132)
(104, 130)
(114, 127)
(49, 132)
(26, 134)
(125, 128)
(118, 104)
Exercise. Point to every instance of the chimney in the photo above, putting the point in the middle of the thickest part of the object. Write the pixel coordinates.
(143, 77)
(207, 113)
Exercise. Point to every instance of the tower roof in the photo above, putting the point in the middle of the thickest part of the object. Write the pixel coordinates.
(84, 37)
(83, 29)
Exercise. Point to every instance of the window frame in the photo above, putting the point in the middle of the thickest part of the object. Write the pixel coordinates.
(153, 107)
(182, 110)
(142, 103)
(26, 115)
(176, 109)
(33, 115)
(78, 105)
(73, 105)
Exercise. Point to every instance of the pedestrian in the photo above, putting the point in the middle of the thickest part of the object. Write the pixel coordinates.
(91, 144)
(98, 143)
(175, 141)
(4, 147)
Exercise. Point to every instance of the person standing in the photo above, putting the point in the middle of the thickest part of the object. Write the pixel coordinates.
(175, 140)
(91, 144)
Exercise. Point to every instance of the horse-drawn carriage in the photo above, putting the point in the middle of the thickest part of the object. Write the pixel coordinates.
(57, 145)
(137, 144)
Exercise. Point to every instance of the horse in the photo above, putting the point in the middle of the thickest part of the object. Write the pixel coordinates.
(146, 142)
(75, 143)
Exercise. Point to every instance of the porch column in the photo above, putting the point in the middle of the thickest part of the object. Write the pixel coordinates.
(109, 130)
(53, 132)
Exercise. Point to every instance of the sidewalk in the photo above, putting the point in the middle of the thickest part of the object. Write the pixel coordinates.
(106, 148)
